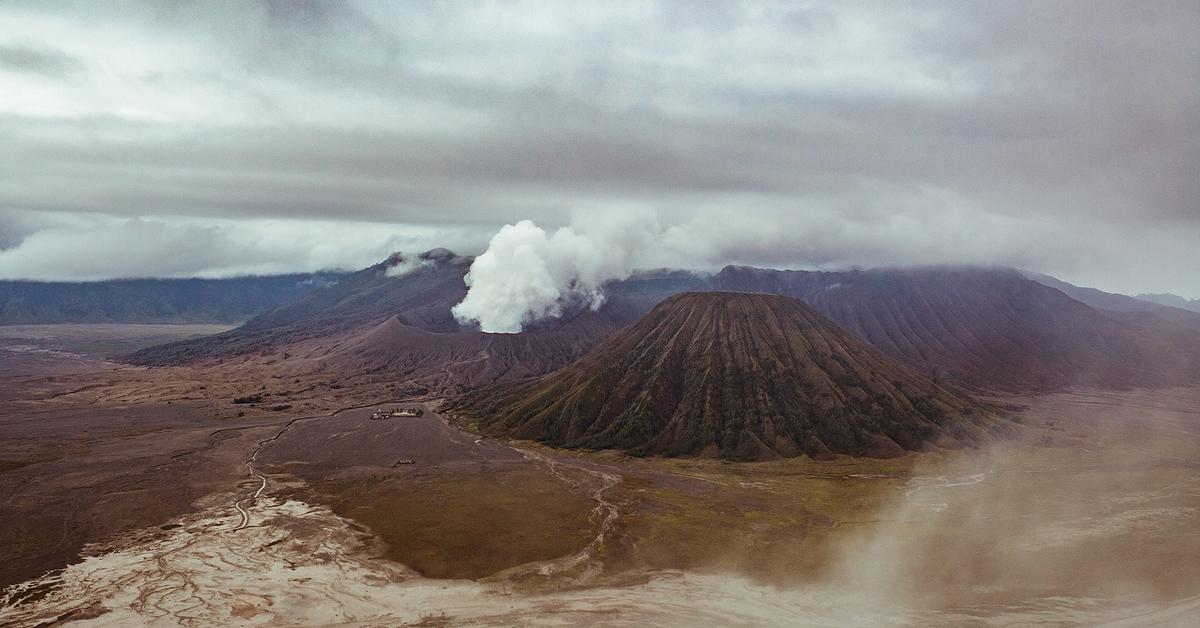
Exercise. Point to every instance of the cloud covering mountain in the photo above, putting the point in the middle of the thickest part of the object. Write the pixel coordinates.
(1060, 137)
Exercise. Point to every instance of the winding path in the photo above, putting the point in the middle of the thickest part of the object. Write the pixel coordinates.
(942, 481)
(606, 511)
(262, 487)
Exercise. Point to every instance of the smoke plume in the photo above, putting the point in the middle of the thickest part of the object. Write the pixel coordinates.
(527, 274)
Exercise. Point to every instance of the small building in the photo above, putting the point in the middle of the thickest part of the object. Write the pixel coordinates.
(397, 413)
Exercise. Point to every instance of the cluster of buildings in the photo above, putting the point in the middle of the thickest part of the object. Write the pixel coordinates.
(396, 413)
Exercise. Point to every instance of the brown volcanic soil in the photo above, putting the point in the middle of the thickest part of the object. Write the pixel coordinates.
(1098, 509)
(1111, 517)
(449, 363)
(743, 376)
(440, 514)
(82, 347)
(76, 474)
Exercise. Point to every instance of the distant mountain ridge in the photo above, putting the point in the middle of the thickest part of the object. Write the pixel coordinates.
(416, 304)
(232, 300)
(1131, 309)
(989, 328)
(1171, 300)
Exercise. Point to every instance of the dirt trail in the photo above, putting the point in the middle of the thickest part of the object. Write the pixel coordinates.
(935, 483)
(262, 487)
(252, 473)
(604, 515)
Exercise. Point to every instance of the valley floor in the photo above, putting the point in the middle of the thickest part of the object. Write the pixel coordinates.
(83, 347)
(135, 510)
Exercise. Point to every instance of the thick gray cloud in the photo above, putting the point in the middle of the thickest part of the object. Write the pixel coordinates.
(1059, 136)
(48, 62)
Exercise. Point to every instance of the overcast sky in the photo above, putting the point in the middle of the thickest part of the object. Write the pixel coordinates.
(225, 138)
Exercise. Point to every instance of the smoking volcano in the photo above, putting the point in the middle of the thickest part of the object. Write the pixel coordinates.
(740, 376)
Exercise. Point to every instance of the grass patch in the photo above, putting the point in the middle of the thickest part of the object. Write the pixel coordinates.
(777, 522)
(474, 525)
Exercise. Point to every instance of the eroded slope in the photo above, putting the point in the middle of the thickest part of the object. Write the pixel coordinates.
(744, 376)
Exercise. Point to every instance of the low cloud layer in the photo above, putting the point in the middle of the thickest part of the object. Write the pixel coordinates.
(1060, 136)
(403, 264)
(91, 247)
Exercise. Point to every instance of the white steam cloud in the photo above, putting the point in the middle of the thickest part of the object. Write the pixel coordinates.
(527, 275)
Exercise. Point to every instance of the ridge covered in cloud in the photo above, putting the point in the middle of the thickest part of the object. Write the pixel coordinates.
(91, 247)
(1058, 136)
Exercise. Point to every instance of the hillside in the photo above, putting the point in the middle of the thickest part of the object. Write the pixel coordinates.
(1135, 310)
(421, 297)
(987, 327)
(153, 300)
(420, 288)
(742, 376)
(380, 325)
(450, 363)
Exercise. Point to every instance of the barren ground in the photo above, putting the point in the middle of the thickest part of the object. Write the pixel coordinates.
(82, 348)
(1093, 517)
